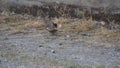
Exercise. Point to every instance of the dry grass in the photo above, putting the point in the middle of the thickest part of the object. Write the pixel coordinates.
(108, 35)
(16, 25)
(76, 25)
(106, 32)
(22, 26)
(84, 25)
(10, 18)
(34, 24)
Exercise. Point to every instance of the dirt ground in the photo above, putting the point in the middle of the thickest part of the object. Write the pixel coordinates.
(25, 43)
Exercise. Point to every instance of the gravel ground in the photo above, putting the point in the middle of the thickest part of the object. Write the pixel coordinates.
(39, 49)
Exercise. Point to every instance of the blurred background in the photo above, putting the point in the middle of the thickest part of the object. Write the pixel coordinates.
(93, 3)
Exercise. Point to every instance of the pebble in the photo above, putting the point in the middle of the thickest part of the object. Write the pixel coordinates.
(45, 53)
(0, 61)
(40, 46)
(67, 36)
(60, 43)
(85, 34)
(53, 51)
(2, 56)
(117, 48)
(5, 38)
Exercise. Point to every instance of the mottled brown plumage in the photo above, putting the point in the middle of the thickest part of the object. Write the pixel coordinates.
(50, 25)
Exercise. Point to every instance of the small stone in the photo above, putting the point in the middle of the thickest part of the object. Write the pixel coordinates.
(60, 44)
(85, 34)
(117, 48)
(0, 61)
(45, 53)
(5, 38)
(53, 51)
(2, 56)
(67, 36)
(40, 46)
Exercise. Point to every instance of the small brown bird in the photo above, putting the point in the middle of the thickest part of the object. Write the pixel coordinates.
(51, 26)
